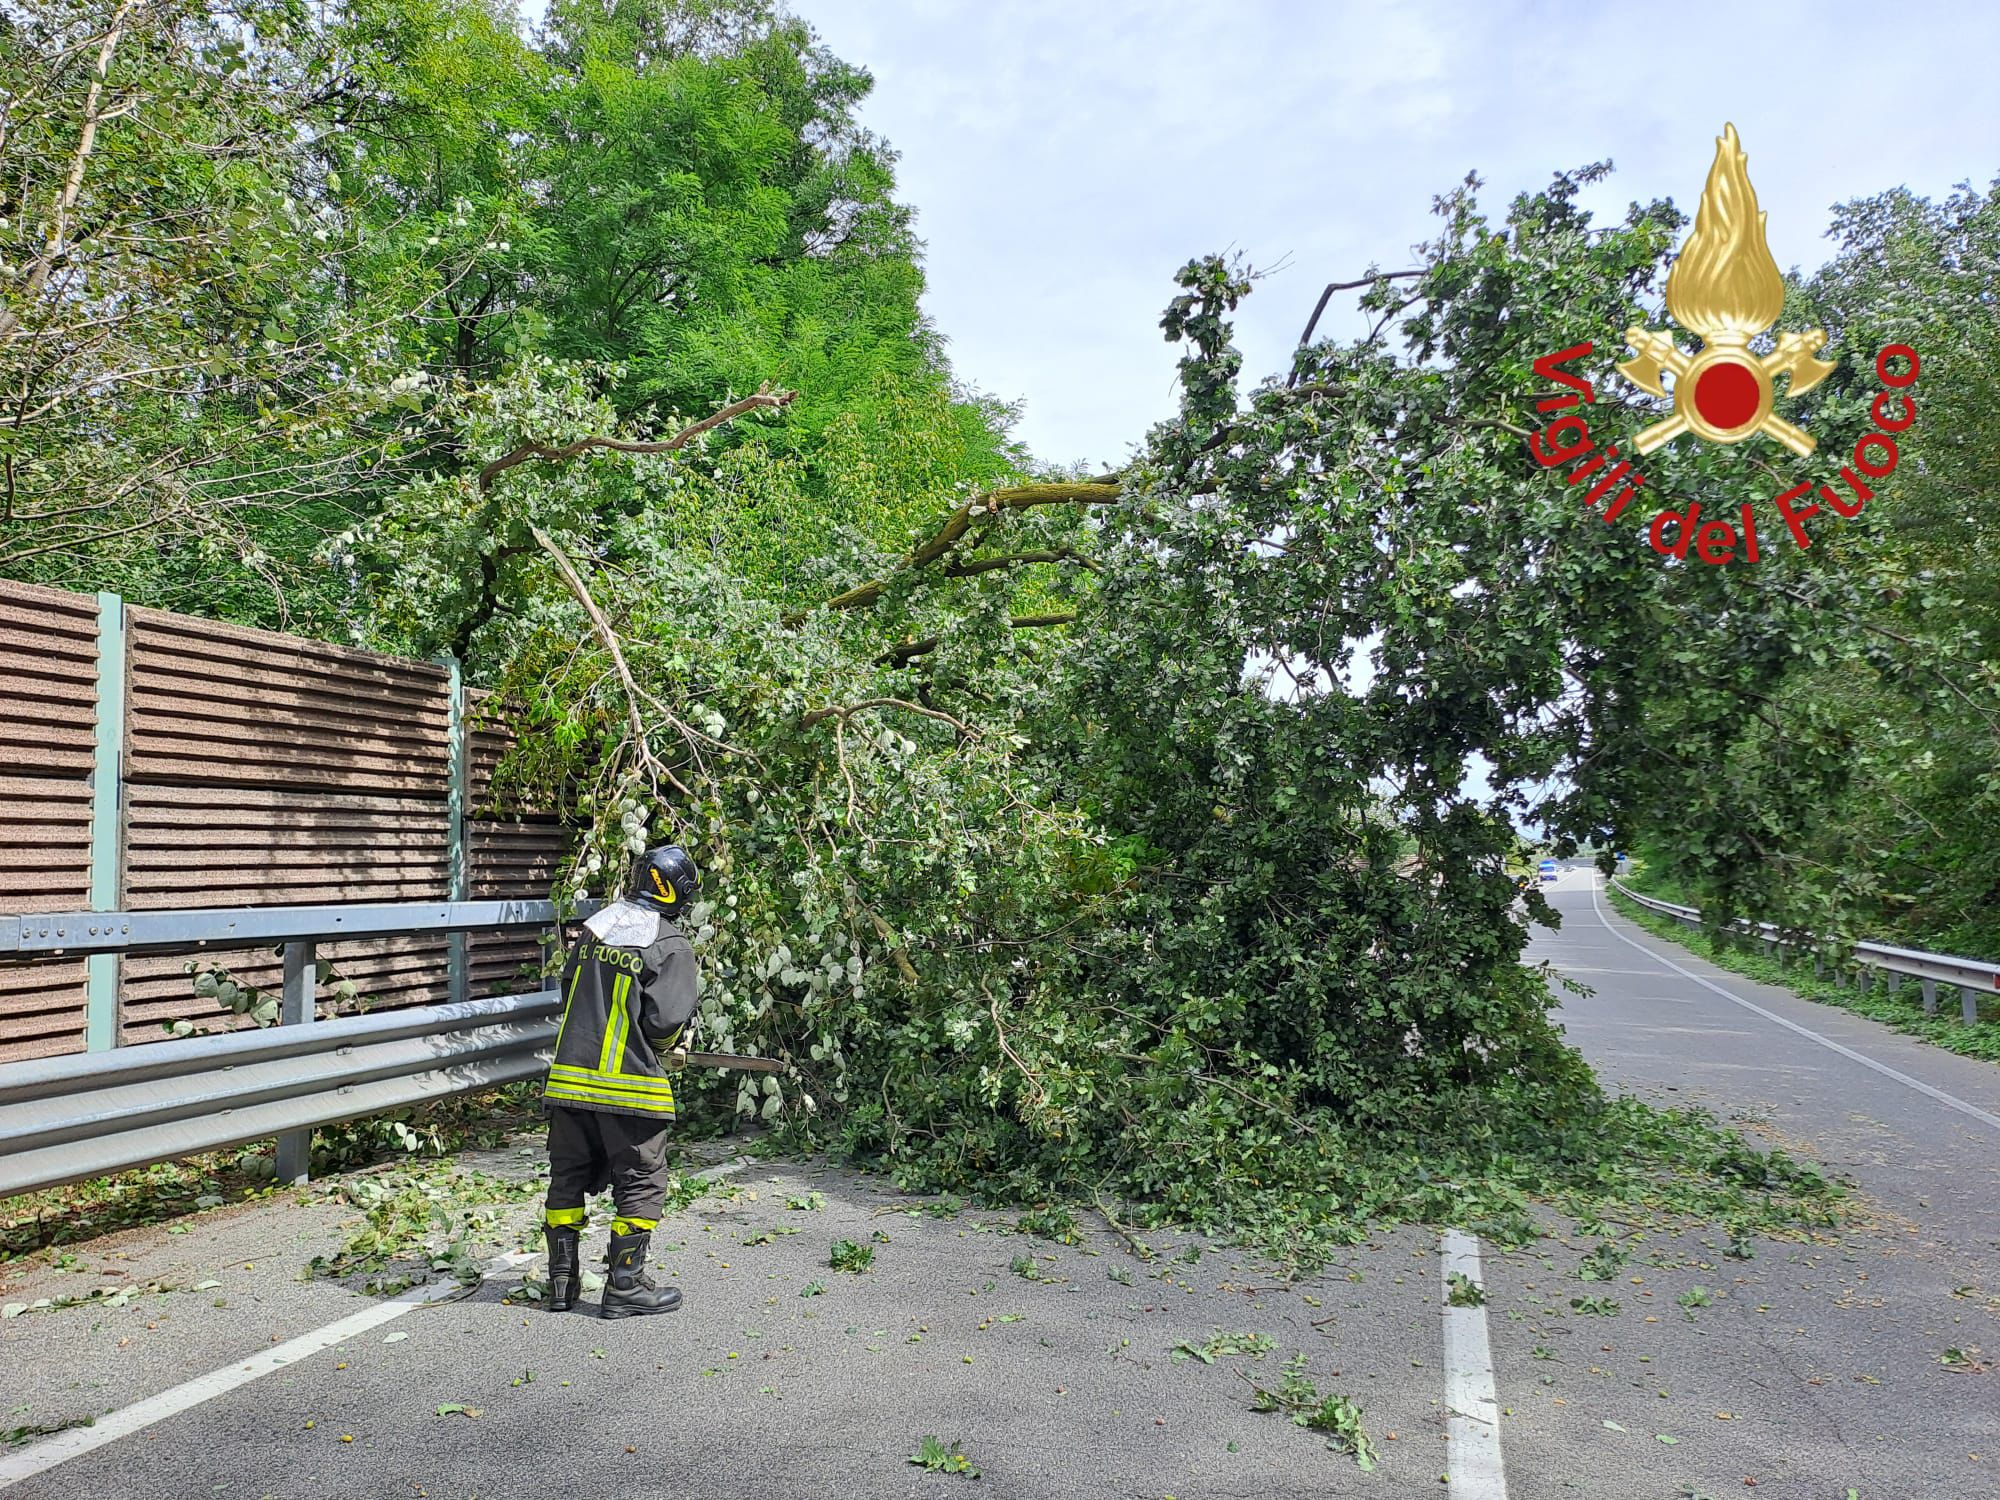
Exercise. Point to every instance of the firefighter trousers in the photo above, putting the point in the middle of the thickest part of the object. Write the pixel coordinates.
(590, 1150)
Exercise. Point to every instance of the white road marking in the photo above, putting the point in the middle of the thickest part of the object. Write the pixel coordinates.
(1473, 1463)
(1950, 1101)
(140, 1415)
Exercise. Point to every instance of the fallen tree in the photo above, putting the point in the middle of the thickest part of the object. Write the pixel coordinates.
(1120, 836)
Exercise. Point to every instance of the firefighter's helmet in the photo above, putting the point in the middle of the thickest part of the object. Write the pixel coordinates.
(667, 878)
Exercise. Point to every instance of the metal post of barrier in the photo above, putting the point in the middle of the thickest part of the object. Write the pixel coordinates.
(107, 823)
(1968, 1004)
(296, 1009)
(456, 962)
(1930, 996)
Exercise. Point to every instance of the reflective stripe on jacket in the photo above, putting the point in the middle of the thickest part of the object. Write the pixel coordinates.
(629, 989)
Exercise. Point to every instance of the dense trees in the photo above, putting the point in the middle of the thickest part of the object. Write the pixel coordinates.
(1066, 830)
(257, 255)
(1863, 765)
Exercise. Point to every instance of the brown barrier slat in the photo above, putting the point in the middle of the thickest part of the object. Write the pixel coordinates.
(179, 709)
(45, 852)
(222, 703)
(41, 1009)
(195, 635)
(418, 728)
(48, 681)
(26, 1048)
(305, 669)
(44, 681)
(292, 863)
(218, 769)
(258, 806)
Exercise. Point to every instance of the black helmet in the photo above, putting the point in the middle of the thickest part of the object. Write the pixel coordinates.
(667, 878)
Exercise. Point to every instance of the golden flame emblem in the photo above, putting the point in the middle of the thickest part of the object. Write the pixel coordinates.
(1726, 289)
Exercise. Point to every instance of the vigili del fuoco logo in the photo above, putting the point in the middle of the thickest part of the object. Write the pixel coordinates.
(1726, 290)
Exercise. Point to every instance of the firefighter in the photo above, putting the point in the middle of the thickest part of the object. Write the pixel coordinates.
(629, 994)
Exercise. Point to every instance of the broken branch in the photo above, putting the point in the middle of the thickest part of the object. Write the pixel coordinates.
(763, 399)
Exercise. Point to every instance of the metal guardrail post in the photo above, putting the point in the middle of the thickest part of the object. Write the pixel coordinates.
(457, 969)
(1968, 1004)
(107, 822)
(296, 1009)
(1930, 996)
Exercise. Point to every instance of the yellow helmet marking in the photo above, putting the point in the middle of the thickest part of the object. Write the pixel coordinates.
(666, 891)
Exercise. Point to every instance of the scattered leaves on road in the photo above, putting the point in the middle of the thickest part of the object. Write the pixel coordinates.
(943, 1458)
(848, 1256)
(1334, 1415)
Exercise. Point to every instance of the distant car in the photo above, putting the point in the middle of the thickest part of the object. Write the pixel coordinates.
(1548, 869)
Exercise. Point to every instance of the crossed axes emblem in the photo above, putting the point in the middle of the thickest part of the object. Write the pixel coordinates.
(1725, 393)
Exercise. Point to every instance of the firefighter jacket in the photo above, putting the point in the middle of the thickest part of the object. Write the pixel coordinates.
(629, 992)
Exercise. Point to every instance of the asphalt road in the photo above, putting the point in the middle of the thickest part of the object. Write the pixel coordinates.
(781, 1377)
(1818, 1370)
(1808, 1370)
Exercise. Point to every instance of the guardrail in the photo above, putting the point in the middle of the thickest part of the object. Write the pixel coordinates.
(67, 1118)
(1972, 977)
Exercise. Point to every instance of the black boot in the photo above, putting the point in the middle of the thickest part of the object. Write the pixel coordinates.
(565, 1270)
(628, 1291)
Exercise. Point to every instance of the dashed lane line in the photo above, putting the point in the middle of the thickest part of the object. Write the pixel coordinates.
(1474, 1468)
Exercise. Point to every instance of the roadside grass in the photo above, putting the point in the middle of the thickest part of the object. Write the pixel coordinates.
(1904, 1011)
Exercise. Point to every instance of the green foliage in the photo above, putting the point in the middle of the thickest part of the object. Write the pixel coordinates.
(1060, 838)
(1031, 913)
(849, 1256)
(428, 1217)
(213, 981)
(1054, 1222)
(1335, 1415)
(943, 1458)
(1602, 1264)
(1223, 1345)
(13, 1437)
(1863, 766)
(1694, 1297)
(388, 205)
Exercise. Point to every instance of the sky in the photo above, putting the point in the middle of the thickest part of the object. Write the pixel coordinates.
(1064, 159)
